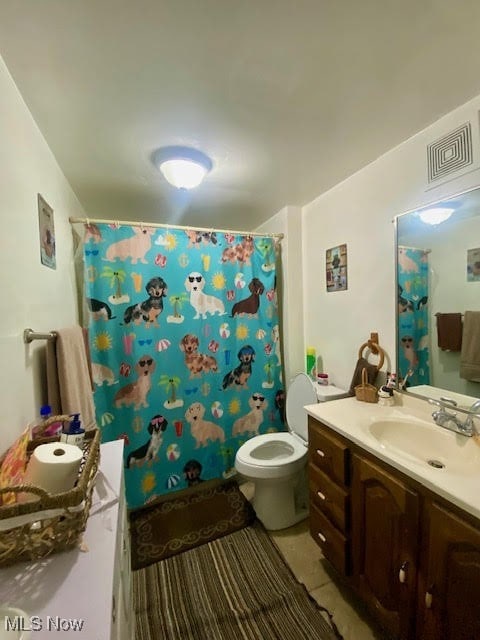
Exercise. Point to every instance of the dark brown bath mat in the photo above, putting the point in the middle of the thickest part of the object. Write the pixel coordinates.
(187, 519)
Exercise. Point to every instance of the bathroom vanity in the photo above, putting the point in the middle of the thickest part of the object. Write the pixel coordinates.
(88, 587)
(402, 533)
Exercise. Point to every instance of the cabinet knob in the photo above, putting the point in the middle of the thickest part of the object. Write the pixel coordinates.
(402, 574)
(321, 495)
(321, 536)
(429, 598)
(320, 453)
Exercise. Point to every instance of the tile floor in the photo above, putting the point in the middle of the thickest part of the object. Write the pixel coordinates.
(306, 561)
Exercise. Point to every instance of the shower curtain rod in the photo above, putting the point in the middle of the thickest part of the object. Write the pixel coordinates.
(129, 223)
(404, 246)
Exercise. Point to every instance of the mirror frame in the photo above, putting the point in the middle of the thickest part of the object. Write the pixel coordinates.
(397, 327)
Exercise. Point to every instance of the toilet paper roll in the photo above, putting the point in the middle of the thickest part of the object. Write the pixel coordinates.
(54, 466)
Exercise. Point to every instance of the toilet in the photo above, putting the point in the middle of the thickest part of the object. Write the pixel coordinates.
(276, 462)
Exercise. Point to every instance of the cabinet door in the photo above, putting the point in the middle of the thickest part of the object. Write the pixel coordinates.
(450, 592)
(385, 523)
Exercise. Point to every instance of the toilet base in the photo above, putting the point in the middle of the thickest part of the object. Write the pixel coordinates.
(280, 503)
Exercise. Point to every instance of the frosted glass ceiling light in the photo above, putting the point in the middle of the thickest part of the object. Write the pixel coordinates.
(435, 215)
(183, 167)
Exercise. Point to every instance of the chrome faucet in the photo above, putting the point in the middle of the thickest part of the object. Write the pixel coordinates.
(475, 406)
(450, 421)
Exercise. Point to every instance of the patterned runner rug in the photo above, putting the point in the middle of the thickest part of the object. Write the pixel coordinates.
(236, 587)
(186, 519)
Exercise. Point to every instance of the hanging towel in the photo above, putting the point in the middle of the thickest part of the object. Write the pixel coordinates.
(449, 331)
(470, 355)
(68, 376)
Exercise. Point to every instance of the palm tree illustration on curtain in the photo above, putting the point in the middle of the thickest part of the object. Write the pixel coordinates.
(177, 301)
(171, 384)
(117, 278)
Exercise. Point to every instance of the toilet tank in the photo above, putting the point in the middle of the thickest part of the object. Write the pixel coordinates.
(303, 391)
(326, 392)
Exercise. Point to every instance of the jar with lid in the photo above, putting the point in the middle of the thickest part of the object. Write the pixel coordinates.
(322, 378)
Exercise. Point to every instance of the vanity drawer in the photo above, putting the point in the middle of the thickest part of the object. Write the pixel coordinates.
(329, 498)
(328, 453)
(334, 545)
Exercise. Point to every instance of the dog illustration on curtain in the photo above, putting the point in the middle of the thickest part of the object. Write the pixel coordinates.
(201, 302)
(136, 392)
(151, 308)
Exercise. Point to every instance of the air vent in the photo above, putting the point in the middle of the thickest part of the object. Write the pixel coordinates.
(450, 153)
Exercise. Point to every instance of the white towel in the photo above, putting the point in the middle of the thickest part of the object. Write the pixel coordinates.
(68, 376)
(470, 354)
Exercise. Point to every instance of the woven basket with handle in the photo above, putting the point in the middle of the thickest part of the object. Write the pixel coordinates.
(365, 391)
(48, 523)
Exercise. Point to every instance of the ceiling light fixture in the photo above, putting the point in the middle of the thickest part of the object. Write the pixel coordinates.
(435, 215)
(182, 167)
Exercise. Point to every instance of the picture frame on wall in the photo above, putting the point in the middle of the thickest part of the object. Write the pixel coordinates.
(336, 268)
(46, 229)
(473, 265)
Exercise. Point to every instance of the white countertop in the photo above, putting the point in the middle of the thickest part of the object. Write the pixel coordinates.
(74, 584)
(352, 419)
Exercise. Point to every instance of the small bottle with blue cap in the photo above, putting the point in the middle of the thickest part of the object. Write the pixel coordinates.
(73, 433)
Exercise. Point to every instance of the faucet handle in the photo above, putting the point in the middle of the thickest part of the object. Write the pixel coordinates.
(443, 403)
(449, 401)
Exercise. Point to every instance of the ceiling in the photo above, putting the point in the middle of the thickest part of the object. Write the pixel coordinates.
(287, 98)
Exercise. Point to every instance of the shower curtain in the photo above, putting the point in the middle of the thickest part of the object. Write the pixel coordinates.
(185, 349)
(413, 330)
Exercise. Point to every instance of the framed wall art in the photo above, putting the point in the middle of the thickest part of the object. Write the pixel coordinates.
(47, 233)
(336, 268)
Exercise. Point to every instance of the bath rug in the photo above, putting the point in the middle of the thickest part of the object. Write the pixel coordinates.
(186, 519)
(237, 586)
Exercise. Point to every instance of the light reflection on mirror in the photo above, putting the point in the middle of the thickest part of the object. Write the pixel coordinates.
(438, 279)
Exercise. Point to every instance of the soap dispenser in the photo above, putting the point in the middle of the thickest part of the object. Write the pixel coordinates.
(74, 432)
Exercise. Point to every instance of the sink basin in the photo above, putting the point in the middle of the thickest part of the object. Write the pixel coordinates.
(428, 444)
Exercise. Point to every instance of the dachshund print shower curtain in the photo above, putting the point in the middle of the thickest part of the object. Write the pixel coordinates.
(413, 332)
(185, 349)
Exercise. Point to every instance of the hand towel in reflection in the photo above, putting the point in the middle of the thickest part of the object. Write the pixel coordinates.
(470, 355)
(68, 376)
(449, 331)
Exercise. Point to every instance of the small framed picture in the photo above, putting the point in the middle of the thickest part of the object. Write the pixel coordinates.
(47, 234)
(473, 265)
(336, 268)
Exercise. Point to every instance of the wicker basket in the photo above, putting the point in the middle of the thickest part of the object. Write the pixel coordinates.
(51, 522)
(366, 392)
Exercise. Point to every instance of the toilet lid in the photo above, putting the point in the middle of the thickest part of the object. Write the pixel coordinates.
(300, 393)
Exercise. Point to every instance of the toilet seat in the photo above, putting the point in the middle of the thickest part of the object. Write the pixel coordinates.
(275, 455)
(268, 455)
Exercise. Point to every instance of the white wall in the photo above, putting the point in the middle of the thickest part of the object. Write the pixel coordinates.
(359, 212)
(32, 295)
(451, 292)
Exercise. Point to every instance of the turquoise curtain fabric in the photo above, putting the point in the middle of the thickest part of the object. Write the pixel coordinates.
(413, 342)
(185, 349)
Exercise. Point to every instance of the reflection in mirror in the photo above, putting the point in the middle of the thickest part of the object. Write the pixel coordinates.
(438, 288)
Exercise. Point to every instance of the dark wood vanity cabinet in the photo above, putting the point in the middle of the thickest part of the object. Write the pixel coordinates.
(385, 529)
(449, 584)
(411, 556)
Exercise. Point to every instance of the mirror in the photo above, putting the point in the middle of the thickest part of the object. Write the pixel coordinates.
(438, 280)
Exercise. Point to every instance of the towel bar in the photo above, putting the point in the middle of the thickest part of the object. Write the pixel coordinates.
(29, 335)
